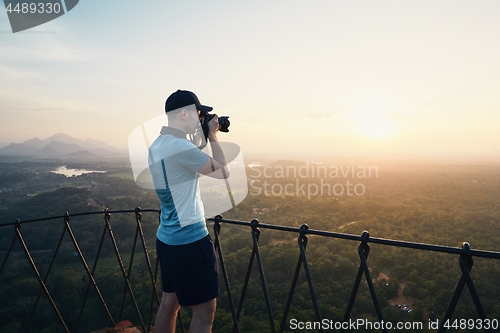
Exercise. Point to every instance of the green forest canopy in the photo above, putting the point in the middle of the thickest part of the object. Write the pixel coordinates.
(430, 203)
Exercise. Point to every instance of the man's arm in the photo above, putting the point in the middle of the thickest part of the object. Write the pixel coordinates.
(216, 166)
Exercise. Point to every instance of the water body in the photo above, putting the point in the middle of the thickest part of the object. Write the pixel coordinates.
(73, 172)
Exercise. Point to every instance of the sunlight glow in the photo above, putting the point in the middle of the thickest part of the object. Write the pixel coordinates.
(374, 127)
(373, 124)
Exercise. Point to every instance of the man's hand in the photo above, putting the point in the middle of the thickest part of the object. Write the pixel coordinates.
(213, 128)
(216, 166)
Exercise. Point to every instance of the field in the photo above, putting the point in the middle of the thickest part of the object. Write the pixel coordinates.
(434, 203)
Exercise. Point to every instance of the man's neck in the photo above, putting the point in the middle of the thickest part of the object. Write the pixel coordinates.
(173, 131)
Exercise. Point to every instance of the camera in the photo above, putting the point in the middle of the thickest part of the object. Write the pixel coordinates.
(223, 123)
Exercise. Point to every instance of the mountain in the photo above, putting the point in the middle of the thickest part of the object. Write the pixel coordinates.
(87, 144)
(58, 148)
(59, 145)
(15, 149)
(81, 154)
(36, 143)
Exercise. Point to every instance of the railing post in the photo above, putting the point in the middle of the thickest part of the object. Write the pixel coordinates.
(154, 275)
(300, 239)
(137, 212)
(247, 279)
(363, 251)
(218, 248)
(302, 245)
(302, 242)
(10, 248)
(466, 262)
(122, 268)
(39, 277)
(92, 281)
(255, 237)
(66, 218)
(354, 291)
(140, 231)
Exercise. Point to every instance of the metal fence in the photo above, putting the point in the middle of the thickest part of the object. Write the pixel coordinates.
(464, 254)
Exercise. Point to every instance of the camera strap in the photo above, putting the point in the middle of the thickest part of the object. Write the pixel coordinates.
(204, 127)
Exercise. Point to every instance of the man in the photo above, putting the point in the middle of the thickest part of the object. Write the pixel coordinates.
(189, 270)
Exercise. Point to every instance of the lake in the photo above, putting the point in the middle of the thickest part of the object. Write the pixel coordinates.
(73, 172)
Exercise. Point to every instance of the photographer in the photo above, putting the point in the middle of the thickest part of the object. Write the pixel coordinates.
(189, 269)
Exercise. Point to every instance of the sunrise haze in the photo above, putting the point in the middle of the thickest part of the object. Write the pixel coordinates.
(296, 78)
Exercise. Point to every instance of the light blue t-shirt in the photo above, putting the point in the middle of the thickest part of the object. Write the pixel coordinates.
(174, 163)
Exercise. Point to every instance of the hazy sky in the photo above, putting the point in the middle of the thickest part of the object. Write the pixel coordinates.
(312, 77)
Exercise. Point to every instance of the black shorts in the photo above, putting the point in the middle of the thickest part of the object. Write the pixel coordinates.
(190, 270)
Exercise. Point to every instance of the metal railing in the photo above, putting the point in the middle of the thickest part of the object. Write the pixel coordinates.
(145, 316)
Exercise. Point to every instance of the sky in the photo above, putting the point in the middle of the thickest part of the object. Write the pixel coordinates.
(298, 78)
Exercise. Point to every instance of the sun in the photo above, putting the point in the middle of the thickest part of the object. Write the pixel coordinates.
(375, 128)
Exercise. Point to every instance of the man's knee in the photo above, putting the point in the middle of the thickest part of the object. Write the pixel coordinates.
(169, 302)
(205, 311)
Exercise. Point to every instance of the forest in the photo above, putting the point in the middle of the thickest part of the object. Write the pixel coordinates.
(414, 201)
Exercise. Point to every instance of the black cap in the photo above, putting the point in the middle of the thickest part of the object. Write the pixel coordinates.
(182, 98)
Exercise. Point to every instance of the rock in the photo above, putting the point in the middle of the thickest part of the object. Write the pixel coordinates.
(124, 326)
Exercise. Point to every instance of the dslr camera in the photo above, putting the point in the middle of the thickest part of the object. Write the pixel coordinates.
(223, 123)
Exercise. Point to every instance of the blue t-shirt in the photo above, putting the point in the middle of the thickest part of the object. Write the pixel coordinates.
(174, 163)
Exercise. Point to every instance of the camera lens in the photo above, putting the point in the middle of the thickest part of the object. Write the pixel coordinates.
(224, 124)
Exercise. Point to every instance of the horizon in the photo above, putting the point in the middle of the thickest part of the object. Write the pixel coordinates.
(419, 157)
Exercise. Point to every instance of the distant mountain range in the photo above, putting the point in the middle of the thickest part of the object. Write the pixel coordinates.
(61, 145)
